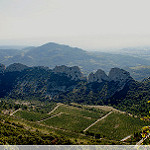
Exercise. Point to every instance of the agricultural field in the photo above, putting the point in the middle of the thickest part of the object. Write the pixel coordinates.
(35, 111)
(109, 126)
(30, 115)
(72, 118)
(117, 126)
(70, 122)
(72, 110)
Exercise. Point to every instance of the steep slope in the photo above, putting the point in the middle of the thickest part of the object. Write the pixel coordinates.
(20, 81)
(100, 87)
(120, 91)
(98, 76)
(67, 84)
(135, 99)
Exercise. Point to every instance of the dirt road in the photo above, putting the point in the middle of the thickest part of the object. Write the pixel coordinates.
(97, 121)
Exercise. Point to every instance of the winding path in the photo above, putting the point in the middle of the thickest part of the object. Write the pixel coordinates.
(97, 121)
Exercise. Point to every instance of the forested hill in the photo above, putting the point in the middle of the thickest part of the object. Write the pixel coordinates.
(68, 84)
(52, 54)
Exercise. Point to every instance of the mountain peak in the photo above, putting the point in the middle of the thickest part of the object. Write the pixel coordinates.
(121, 76)
(53, 45)
(98, 76)
(117, 74)
(73, 72)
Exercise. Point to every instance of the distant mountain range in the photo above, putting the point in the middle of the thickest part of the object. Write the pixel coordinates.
(52, 54)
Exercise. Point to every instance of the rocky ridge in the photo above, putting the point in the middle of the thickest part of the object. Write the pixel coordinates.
(98, 76)
(73, 72)
(19, 80)
(121, 76)
(117, 74)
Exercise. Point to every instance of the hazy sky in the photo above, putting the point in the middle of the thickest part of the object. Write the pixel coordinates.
(88, 24)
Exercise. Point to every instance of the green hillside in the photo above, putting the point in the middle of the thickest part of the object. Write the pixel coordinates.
(70, 121)
(71, 118)
(14, 133)
(117, 126)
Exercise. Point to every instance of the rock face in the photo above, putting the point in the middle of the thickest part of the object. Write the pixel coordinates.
(2, 68)
(121, 76)
(16, 67)
(117, 74)
(98, 76)
(73, 72)
(21, 81)
(107, 86)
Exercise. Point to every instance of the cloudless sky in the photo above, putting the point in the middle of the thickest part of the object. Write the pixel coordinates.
(90, 24)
